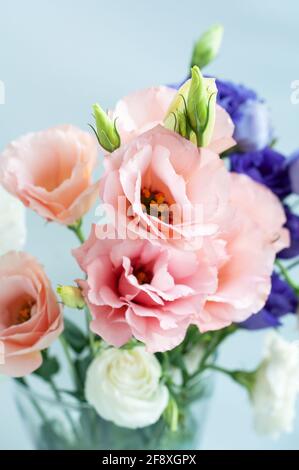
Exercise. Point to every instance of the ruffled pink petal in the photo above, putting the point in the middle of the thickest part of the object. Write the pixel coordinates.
(262, 207)
(141, 111)
(222, 138)
(111, 325)
(50, 172)
(19, 366)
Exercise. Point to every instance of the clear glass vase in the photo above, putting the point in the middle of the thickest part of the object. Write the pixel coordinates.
(62, 425)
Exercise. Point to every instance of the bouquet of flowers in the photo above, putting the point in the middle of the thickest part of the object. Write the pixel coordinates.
(198, 238)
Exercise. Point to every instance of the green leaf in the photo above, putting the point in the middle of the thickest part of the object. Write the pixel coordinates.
(81, 366)
(74, 336)
(207, 47)
(49, 367)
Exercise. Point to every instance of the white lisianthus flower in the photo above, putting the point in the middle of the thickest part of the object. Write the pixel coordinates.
(124, 387)
(12, 223)
(276, 386)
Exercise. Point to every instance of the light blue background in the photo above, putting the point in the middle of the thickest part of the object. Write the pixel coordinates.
(59, 56)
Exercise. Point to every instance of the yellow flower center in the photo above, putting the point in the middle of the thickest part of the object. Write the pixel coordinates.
(155, 204)
(142, 276)
(24, 314)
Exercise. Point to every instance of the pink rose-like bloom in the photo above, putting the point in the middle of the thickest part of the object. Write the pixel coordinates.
(145, 109)
(141, 111)
(161, 168)
(30, 316)
(240, 226)
(244, 251)
(152, 291)
(50, 172)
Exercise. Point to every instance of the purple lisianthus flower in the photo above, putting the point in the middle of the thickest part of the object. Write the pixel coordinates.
(292, 225)
(253, 130)
(293, 167)
(267, 167)
(232, 96)
(281, 301)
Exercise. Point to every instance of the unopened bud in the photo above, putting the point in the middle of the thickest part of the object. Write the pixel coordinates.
(207, 47)
(105, 131)
(71, 296)
(193, 110)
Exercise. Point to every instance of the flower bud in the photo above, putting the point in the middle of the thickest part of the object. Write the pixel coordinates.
(207, 47)
(106, 131)
(192, 112)
(71, 296)
(197, 99)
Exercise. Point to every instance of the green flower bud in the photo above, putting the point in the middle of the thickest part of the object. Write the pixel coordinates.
(197, 100)
(192, 112)
(106, 131)
(244, 378)
(71, 296)
(208, 127)
(182, 124)
(207, 47)
(178, 105)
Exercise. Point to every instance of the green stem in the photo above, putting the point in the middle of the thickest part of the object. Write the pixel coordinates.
(219, 369)
(217, 338)
(286, 276)
(77, 229)
(65, 347)
(57, 395)
(39, 410)
(244, 378)
(92, 343)
(54, 389)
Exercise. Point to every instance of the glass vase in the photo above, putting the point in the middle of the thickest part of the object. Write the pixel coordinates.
(63, 425)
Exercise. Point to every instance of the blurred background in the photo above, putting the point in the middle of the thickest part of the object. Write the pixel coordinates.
(58, 57)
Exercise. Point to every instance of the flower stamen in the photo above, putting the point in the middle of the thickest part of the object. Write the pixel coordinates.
(154, 203)
(24, 313)
(142, 276)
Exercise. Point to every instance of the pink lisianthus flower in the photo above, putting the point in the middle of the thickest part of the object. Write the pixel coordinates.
(154, 290)
(141, 111)
(244, 251)
(150, 290)
(145, 109)
(50, 172)
(162, 186)
(239, 224)
(30, 316)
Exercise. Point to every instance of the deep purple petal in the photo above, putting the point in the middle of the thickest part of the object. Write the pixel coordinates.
(292, 225)
(267, 167)
(282, 300)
